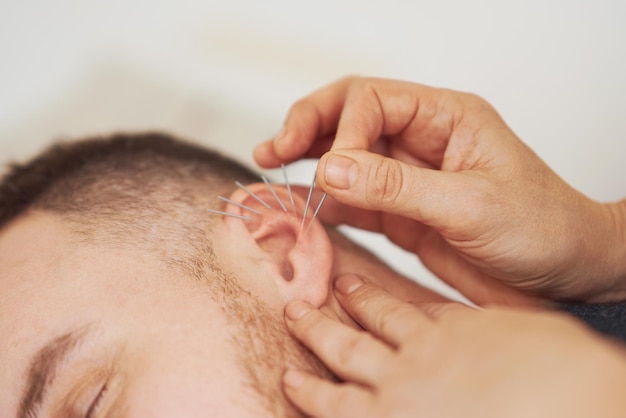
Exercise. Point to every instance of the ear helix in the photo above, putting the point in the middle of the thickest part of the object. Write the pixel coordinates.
(265, 204)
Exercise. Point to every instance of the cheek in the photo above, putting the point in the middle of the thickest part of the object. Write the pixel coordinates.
(184, 362)
(172, 380)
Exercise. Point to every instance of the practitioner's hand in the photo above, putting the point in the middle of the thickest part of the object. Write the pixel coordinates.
(457, 187)
(447, 360)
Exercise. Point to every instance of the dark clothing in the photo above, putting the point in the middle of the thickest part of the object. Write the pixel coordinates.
(609, 319)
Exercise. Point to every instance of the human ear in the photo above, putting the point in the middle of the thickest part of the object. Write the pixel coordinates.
(295, 254)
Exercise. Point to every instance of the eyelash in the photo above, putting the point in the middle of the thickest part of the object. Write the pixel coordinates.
(97, 402)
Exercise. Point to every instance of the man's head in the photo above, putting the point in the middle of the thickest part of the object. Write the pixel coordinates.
(114, 276)
(120, 295)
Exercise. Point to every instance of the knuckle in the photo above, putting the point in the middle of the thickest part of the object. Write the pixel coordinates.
(354, 84)
(361, 81)
(385, 184)
(350, 79)
(357, 343)
(309, 326)
(478, 103)
(439, 309)
(301, 106)
(373, 87)
(474, 99)
(361, 298)
(388, 316)
(369, 83)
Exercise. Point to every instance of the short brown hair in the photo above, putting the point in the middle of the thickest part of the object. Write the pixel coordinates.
(54, 178)
(119, 188)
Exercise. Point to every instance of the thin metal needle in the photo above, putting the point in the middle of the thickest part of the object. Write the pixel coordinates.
(219, 212)
(239, 204)
(269, 186)
(244, 188)
(308, 201)
(319, 206)
(293, 204)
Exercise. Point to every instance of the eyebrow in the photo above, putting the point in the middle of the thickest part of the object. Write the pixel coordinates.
(44, 367)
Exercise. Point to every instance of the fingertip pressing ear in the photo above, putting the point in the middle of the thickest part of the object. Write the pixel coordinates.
(297, 255)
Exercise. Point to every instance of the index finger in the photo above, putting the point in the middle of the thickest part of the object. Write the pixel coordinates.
(309, 120)
(376, 107)
(378, 312)
(360, 111)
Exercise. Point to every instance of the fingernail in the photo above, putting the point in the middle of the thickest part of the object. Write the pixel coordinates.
(280, 135)
(340, 172)
(293, 378)
(348, 283)
(296, 310)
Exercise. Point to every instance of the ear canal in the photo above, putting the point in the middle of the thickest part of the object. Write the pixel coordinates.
(276, 242)
(300, 258)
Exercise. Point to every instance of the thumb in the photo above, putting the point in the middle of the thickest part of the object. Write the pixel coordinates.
(370, 181)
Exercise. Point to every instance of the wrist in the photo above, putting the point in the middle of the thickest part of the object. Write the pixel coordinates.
(616, 253)
(598, 267)
(608, 250)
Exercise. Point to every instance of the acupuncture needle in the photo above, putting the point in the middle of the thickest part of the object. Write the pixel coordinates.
(239, 205)
(234, 215)
(269, 186)
(271, 189)
(293, 204)
(252, 194)
(319, 206)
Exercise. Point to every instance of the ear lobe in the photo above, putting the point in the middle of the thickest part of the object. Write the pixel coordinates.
(297, 258)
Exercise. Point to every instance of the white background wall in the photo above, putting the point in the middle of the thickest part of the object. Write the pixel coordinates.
(225, 72)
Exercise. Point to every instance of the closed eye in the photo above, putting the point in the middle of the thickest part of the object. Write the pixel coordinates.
(97, 402)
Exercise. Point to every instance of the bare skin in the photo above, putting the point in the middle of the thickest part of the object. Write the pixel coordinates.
(437, 360)
(153, 341)
(442, 175)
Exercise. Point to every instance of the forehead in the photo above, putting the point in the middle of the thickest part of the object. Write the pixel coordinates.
(40, 258)
(32, 250)
(40, 278)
